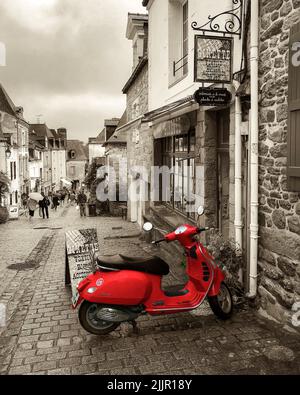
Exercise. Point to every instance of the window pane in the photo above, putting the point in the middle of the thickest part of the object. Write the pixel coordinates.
(192, 142)
(178, 187)
(185, 143)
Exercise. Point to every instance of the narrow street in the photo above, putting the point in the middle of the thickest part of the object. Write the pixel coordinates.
(43, 334)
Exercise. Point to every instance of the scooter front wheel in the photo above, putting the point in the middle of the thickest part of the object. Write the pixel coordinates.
(222, 304)
(89, 320)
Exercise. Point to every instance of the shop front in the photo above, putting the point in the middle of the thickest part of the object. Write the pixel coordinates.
(176, 143)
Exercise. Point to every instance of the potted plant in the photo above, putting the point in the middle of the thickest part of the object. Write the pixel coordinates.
(4, 189)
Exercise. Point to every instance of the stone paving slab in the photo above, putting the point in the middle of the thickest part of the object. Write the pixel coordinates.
(44, 336)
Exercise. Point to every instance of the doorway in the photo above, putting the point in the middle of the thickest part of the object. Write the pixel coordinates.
(223, 171)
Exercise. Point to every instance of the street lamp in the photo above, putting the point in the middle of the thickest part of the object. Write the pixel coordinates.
(8, 152)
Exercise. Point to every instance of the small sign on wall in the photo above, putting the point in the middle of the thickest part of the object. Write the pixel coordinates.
(213, 59)
(14, 212)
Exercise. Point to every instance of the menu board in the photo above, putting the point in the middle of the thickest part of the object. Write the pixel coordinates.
(213, 59)
(81, 245)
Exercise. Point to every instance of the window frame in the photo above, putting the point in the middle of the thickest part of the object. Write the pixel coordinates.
(170, 156)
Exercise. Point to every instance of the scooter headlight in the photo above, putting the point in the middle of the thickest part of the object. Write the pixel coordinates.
(92, 290)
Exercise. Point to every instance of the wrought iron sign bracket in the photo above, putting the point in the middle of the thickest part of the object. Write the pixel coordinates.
(232, 26)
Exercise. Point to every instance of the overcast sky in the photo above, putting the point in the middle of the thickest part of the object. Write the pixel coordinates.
(67, 60)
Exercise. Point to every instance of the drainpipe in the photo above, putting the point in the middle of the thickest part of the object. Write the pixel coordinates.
(254, 149)
(238, 222)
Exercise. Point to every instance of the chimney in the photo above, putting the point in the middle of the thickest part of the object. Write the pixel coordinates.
(20, 111)
(137, 32)
(62, 132)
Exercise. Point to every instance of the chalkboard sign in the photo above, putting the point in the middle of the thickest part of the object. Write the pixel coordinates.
(81, 245)
(212, 96)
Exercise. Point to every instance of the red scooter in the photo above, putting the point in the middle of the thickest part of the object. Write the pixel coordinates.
(123, 288)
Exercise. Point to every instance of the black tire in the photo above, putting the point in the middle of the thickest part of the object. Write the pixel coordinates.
(94, 326)
(222, 304)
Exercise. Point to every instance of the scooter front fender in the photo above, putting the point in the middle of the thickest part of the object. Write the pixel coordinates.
(219, 277)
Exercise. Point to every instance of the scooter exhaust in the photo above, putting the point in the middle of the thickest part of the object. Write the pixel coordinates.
(117, 315)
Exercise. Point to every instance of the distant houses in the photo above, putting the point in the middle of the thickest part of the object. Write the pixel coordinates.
(36, 158)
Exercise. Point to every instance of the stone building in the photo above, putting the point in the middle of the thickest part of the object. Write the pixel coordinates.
(279, 158)
(197, 143)
(220, 142)
(14, 129)
(77, 162)
(41, 134)
(139, 140)
(58, 150)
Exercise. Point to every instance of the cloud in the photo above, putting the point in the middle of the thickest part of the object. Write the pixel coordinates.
(35, 15)
(67, 58)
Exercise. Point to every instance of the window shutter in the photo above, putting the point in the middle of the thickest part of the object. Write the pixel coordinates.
(293, 171)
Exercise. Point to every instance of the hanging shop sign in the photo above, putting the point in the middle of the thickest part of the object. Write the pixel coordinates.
(213, 59)
(81, 245)
(212, 97)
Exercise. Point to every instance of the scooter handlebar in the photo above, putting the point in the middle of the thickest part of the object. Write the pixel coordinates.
(200, 230)
(158, 241)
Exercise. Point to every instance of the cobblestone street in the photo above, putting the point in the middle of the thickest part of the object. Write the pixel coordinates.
(43, 334)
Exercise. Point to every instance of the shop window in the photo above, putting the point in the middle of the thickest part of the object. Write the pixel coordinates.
(178, 155)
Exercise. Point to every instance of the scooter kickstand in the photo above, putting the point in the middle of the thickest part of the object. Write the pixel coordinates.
(135, 327)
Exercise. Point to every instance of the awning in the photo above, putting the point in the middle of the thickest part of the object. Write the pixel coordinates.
(66, 182)
(172, 110)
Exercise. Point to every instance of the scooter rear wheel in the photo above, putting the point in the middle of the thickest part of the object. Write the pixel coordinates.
(91, 323)
(222, 304)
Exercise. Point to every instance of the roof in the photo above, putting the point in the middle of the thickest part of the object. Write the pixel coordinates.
(142, 63)
(123, 119)
(40, 130)
(55, 134)
(111, 122)
(35, 145)
(169, 107)
(119, 137)
(7, 105)
(81, 150)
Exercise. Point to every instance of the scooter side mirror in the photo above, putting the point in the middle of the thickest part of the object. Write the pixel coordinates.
(200, 211)
(147, 226)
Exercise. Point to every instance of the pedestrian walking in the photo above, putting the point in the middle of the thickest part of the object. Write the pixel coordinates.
(31, 204)
(72, 198)
(55, 201)
(62, 197)
(82, 200)
(44, 205)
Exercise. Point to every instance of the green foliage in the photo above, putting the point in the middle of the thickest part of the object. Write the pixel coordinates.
(229, 257)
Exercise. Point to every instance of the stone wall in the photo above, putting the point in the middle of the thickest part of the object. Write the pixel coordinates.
(279, 210)
(138, 95)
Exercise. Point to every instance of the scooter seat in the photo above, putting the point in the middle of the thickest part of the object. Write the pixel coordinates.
(152, 265)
